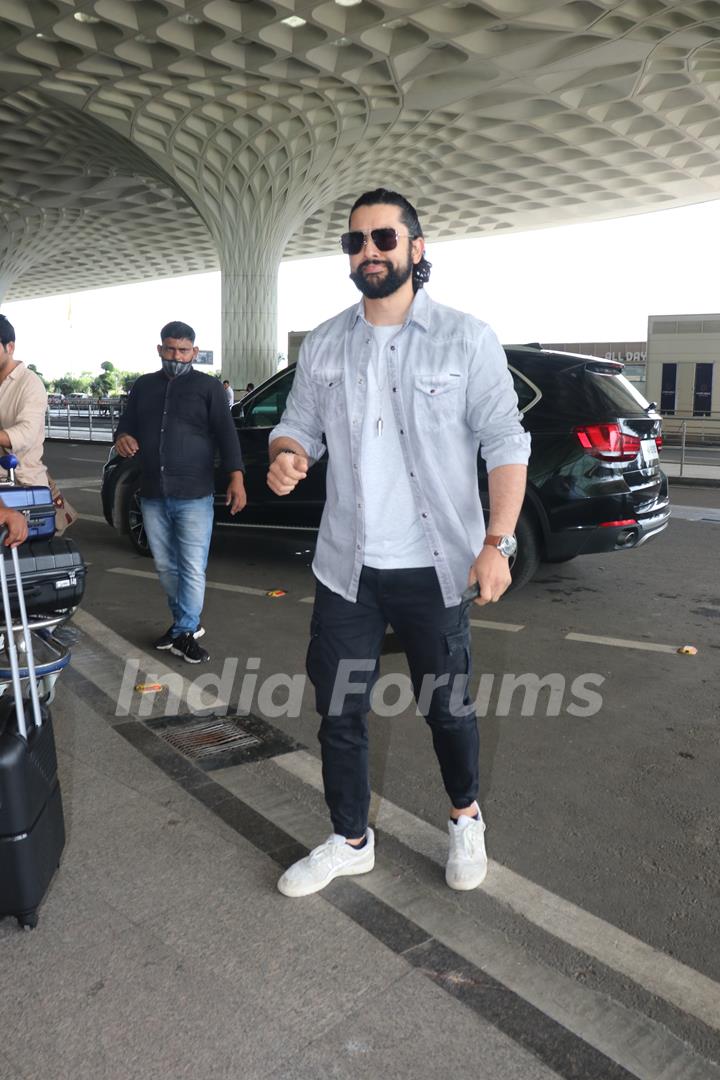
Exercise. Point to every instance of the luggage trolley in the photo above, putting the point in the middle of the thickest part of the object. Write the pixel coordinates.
(32, 829)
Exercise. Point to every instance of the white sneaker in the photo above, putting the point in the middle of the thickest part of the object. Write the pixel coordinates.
(467, 861)
(334, 858)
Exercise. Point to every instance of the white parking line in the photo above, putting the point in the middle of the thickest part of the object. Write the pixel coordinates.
(489, 624)
(93, 490)
(622, 643)
(76, 481)
(643, 1046)
(687, 989)
(208, 584)
(695, 513)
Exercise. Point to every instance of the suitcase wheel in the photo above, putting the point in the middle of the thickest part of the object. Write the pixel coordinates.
(28, 921)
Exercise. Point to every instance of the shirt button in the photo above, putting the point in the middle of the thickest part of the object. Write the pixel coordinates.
(433, 390)
(394, 389)
(401, 431)
(358, 547)
(412, 474)
(436, 553)
(424, 515)
(392, 348)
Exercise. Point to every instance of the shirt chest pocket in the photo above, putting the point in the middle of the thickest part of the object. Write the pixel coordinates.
(438, 397)
(330, 392)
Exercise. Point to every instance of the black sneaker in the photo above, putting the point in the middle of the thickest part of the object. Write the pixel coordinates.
(165, 642)
(186, 646)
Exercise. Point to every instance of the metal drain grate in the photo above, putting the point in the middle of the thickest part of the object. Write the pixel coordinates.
(218, 742)
(207, 738)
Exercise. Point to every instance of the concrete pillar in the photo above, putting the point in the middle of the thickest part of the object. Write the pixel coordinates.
(250, 257)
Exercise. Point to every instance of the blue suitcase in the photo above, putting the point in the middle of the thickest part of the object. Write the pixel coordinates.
(36, 503)
(32, 828)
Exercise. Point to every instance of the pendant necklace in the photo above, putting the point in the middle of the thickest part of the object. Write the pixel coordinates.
(381, 387)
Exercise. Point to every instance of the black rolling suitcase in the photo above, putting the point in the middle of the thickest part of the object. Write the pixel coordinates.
(53, 576)
(32, 828)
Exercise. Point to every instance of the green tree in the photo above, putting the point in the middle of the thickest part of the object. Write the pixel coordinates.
(46, 384)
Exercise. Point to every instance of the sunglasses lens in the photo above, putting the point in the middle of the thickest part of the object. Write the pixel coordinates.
(352, 242)
(384, 239)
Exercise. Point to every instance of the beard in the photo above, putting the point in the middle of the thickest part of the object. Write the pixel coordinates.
(378, 289)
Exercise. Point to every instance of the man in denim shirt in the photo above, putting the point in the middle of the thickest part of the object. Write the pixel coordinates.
(404, 391)
(174, 421)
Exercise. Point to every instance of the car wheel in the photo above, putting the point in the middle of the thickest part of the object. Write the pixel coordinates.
(528, 556)
(134, 523)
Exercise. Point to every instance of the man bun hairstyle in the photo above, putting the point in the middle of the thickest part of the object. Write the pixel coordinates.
(7, 331)
(178, 331)
(409, 218)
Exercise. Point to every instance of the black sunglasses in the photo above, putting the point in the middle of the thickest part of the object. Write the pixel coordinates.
(352, 243)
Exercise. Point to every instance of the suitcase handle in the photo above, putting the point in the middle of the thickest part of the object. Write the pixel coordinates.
(10, 463)
(10, 639)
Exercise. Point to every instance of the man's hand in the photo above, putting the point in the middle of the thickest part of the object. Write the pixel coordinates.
(16, 526)
(235, 496)
(491, 570)
(127, 446)
(286, 472)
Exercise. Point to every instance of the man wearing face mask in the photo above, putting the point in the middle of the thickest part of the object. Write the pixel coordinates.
(174, 419)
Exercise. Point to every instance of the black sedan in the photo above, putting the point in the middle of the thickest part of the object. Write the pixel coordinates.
(594, 479)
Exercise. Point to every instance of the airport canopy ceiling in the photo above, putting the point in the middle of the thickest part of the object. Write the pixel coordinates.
(143, 138)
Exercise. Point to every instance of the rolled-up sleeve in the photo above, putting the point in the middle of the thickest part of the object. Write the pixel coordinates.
(28, 429)
(301, 420)
(492, 406)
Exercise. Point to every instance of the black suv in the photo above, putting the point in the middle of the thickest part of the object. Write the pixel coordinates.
(594, 478)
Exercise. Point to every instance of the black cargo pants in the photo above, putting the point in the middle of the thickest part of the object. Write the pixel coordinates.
(343, 664)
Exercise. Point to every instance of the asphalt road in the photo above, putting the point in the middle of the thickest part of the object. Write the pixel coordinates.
(617, 811)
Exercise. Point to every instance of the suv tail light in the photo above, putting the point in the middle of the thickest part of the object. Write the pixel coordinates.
(608, 442)
(659, 442)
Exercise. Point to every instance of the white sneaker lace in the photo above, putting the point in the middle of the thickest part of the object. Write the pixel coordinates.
(466, 842)
(332, 850)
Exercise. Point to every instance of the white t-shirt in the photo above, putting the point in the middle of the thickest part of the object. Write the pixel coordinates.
(394, 537)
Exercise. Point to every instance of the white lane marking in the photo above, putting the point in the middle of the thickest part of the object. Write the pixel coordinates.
(687, 989)
(124, 650)
(90, 460)
(622, 643)
(695, 513)
(629, 1038)
(489, 624)
(208, 584)
(93, 517)
(76, 481)
(93, 490)
(307, 600)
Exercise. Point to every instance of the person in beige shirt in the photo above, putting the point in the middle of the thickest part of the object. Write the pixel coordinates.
(23, 403)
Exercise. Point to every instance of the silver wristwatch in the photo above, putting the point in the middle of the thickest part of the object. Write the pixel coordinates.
(506, 545)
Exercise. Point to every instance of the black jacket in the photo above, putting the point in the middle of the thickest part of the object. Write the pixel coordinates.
(178, 423)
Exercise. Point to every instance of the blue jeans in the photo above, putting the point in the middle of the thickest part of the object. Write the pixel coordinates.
(179, 532)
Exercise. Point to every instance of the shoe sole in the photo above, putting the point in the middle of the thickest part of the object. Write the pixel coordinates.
(295, 891)
(188, 659)
(161, 648)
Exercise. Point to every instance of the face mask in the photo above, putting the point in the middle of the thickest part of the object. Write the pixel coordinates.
(175, 367)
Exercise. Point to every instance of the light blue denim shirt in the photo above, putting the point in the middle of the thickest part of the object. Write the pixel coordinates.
(452, 393)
